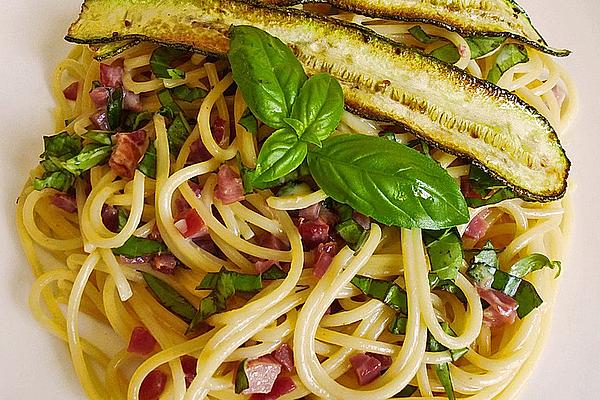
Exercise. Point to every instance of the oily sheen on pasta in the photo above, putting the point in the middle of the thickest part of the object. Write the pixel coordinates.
(312, 330)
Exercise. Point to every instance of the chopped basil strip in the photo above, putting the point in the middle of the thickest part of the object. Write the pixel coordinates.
(241, 379)
(531, 263)
(486, 273)
(90, 156)
(134, 120)
(398, 325)
(273, 273)
(385, 291)
(61, 145)
(114, 108)
(121, 219)
(161, 60)
(443, 373)
(445, 252)
(170, 108)
(187, 93)
(443, 370)
(241, 282)
(508, 56)
(138, 247)
(388, 181)
(100, 137)
(59, 180)
(179, 129)
(148, 163)
(479, 45)
(407, 391)
(170, 298)
(488, 189)
(418, 33)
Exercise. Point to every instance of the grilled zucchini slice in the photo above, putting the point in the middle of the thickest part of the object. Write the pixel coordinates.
(381, 80)
(504, 18)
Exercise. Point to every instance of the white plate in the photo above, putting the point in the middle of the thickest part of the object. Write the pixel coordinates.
(36, 366)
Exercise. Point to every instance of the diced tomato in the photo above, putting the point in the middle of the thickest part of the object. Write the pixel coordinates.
(191, 225)
(229, 186)
(70, 92)
(153, 385)
(189, 364)
(366, 368)
(141, 341)
(283, 385)
(284, 356)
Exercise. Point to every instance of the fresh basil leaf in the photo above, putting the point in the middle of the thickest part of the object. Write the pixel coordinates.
(350, 231)
(527, 298)
(100, 137)
(445, 252)
(280, 155)
(148, 164)
(170, 298)
(388, 181)
(447, 53)
(418, 33)
(508, 56)
(114, 108)
(318, 107)
(61, 145)
(531, 263)
(134, 120)
(385, 291)
(161, 60)
(267, 73)
(138, 247)
(487, 256)
(121, 219)
(187, 93)
(90, 156)
(250, 123)
(450, 287)
(59, 180)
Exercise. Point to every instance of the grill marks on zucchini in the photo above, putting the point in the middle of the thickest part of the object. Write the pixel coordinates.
(503, 18)
(381, 80)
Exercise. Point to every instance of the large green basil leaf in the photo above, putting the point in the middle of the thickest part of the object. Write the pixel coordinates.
(267, 73)
(319, 107)
(280, 154)
(388, 181)
(508, 56)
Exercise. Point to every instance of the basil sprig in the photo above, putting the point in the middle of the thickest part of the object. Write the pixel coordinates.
(485, 272)
(303, 111)
(388, 181)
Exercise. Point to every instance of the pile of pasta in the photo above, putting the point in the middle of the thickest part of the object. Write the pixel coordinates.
(80, 282)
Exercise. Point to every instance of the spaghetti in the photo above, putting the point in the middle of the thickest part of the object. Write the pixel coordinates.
(327, 320)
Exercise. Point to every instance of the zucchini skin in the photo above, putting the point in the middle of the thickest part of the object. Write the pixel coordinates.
(112, 49)
(500, 18)
(381, 80)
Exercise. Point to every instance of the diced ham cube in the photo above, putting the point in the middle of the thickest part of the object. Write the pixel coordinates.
(112, 75)
(189, 364)
(229, 186)
(324, 254)
(283, 385)
(313, 232)
(127, 152)
(153, 385)
(132, 101)
(502, 308)
(70, 92)
(99, 96)
(141, 341)
(191, 225)
(165, 263)
(366, 368)
(284, 356)
(65, 202)
(261, 373)
(264, 265)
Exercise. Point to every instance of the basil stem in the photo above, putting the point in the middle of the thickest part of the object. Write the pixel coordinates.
(388, 181)
(170, 298)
